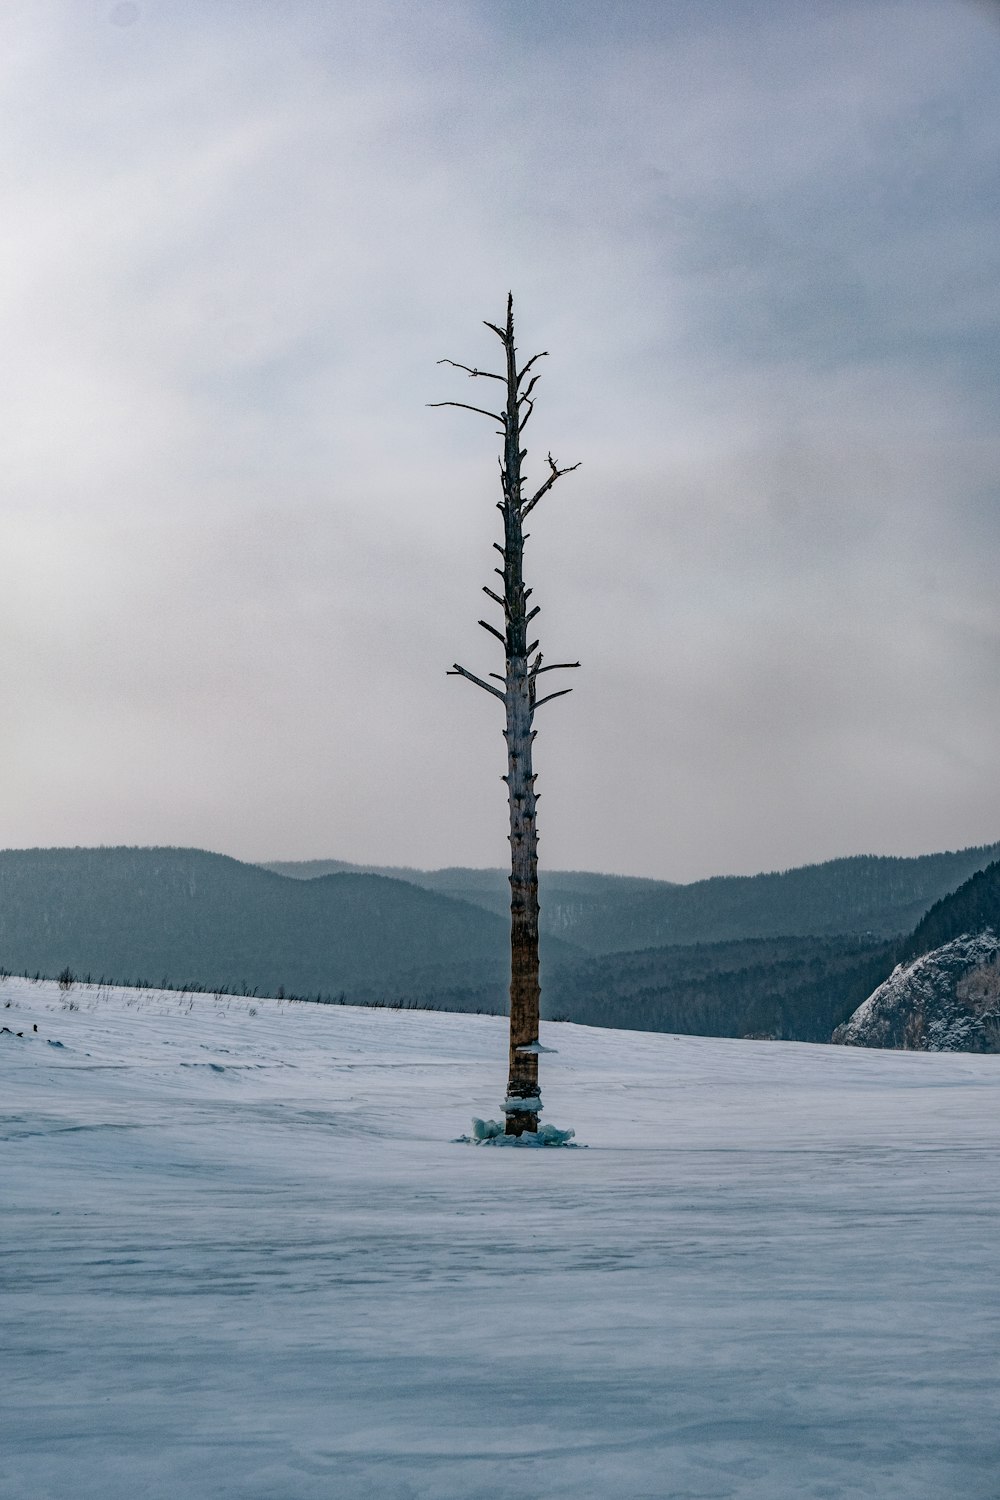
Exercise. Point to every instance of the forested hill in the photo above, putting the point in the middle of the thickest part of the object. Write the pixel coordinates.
(188, 917)
(799, 988)
(878, 895)
(867, 894)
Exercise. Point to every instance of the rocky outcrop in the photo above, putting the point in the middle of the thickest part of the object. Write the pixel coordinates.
(947, 1000)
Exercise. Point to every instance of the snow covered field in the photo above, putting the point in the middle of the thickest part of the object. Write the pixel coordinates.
(242, 1258)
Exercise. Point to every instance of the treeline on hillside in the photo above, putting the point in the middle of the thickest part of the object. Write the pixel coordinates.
(793, 989)
(972, 908)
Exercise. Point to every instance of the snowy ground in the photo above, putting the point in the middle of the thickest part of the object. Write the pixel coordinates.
(242, 1258)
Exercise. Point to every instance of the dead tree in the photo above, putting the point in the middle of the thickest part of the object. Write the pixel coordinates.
(519, 695)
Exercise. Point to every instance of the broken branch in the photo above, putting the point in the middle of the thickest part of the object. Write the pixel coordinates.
(556, 473)
(543, 354)
(497, 416)
(549, 697)
(557, 666)
(470, 370)
(457, 671)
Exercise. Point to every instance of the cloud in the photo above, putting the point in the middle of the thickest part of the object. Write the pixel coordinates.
(243, 551)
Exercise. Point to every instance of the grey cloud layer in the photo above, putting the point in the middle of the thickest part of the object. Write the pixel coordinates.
(760, 242)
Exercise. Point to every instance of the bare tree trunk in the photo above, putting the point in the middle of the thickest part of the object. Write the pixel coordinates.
(523, 666)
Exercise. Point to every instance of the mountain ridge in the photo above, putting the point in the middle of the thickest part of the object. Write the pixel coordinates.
(881, 895)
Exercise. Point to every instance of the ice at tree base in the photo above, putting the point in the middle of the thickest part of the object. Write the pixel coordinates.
(491, 1133)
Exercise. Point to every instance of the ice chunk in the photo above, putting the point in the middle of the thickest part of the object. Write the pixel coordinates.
(491, 1133)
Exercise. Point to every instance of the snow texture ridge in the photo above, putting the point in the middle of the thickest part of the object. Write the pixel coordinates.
(946, 1001)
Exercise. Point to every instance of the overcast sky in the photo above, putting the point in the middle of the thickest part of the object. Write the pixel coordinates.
(762, 243)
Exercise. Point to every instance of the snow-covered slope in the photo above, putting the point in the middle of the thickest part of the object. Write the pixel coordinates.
(948, 1000)
(244, 1260)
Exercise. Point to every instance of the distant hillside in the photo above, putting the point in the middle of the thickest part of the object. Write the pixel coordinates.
(782, 982)
(868, 894)
(193, 918)
(570, 899)
(801, 987)
(877, 895)
(789, 988)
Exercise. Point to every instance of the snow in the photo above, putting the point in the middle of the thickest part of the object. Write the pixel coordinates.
(243, 1259)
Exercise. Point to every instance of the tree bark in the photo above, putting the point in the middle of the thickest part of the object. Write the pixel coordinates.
(525, 988)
